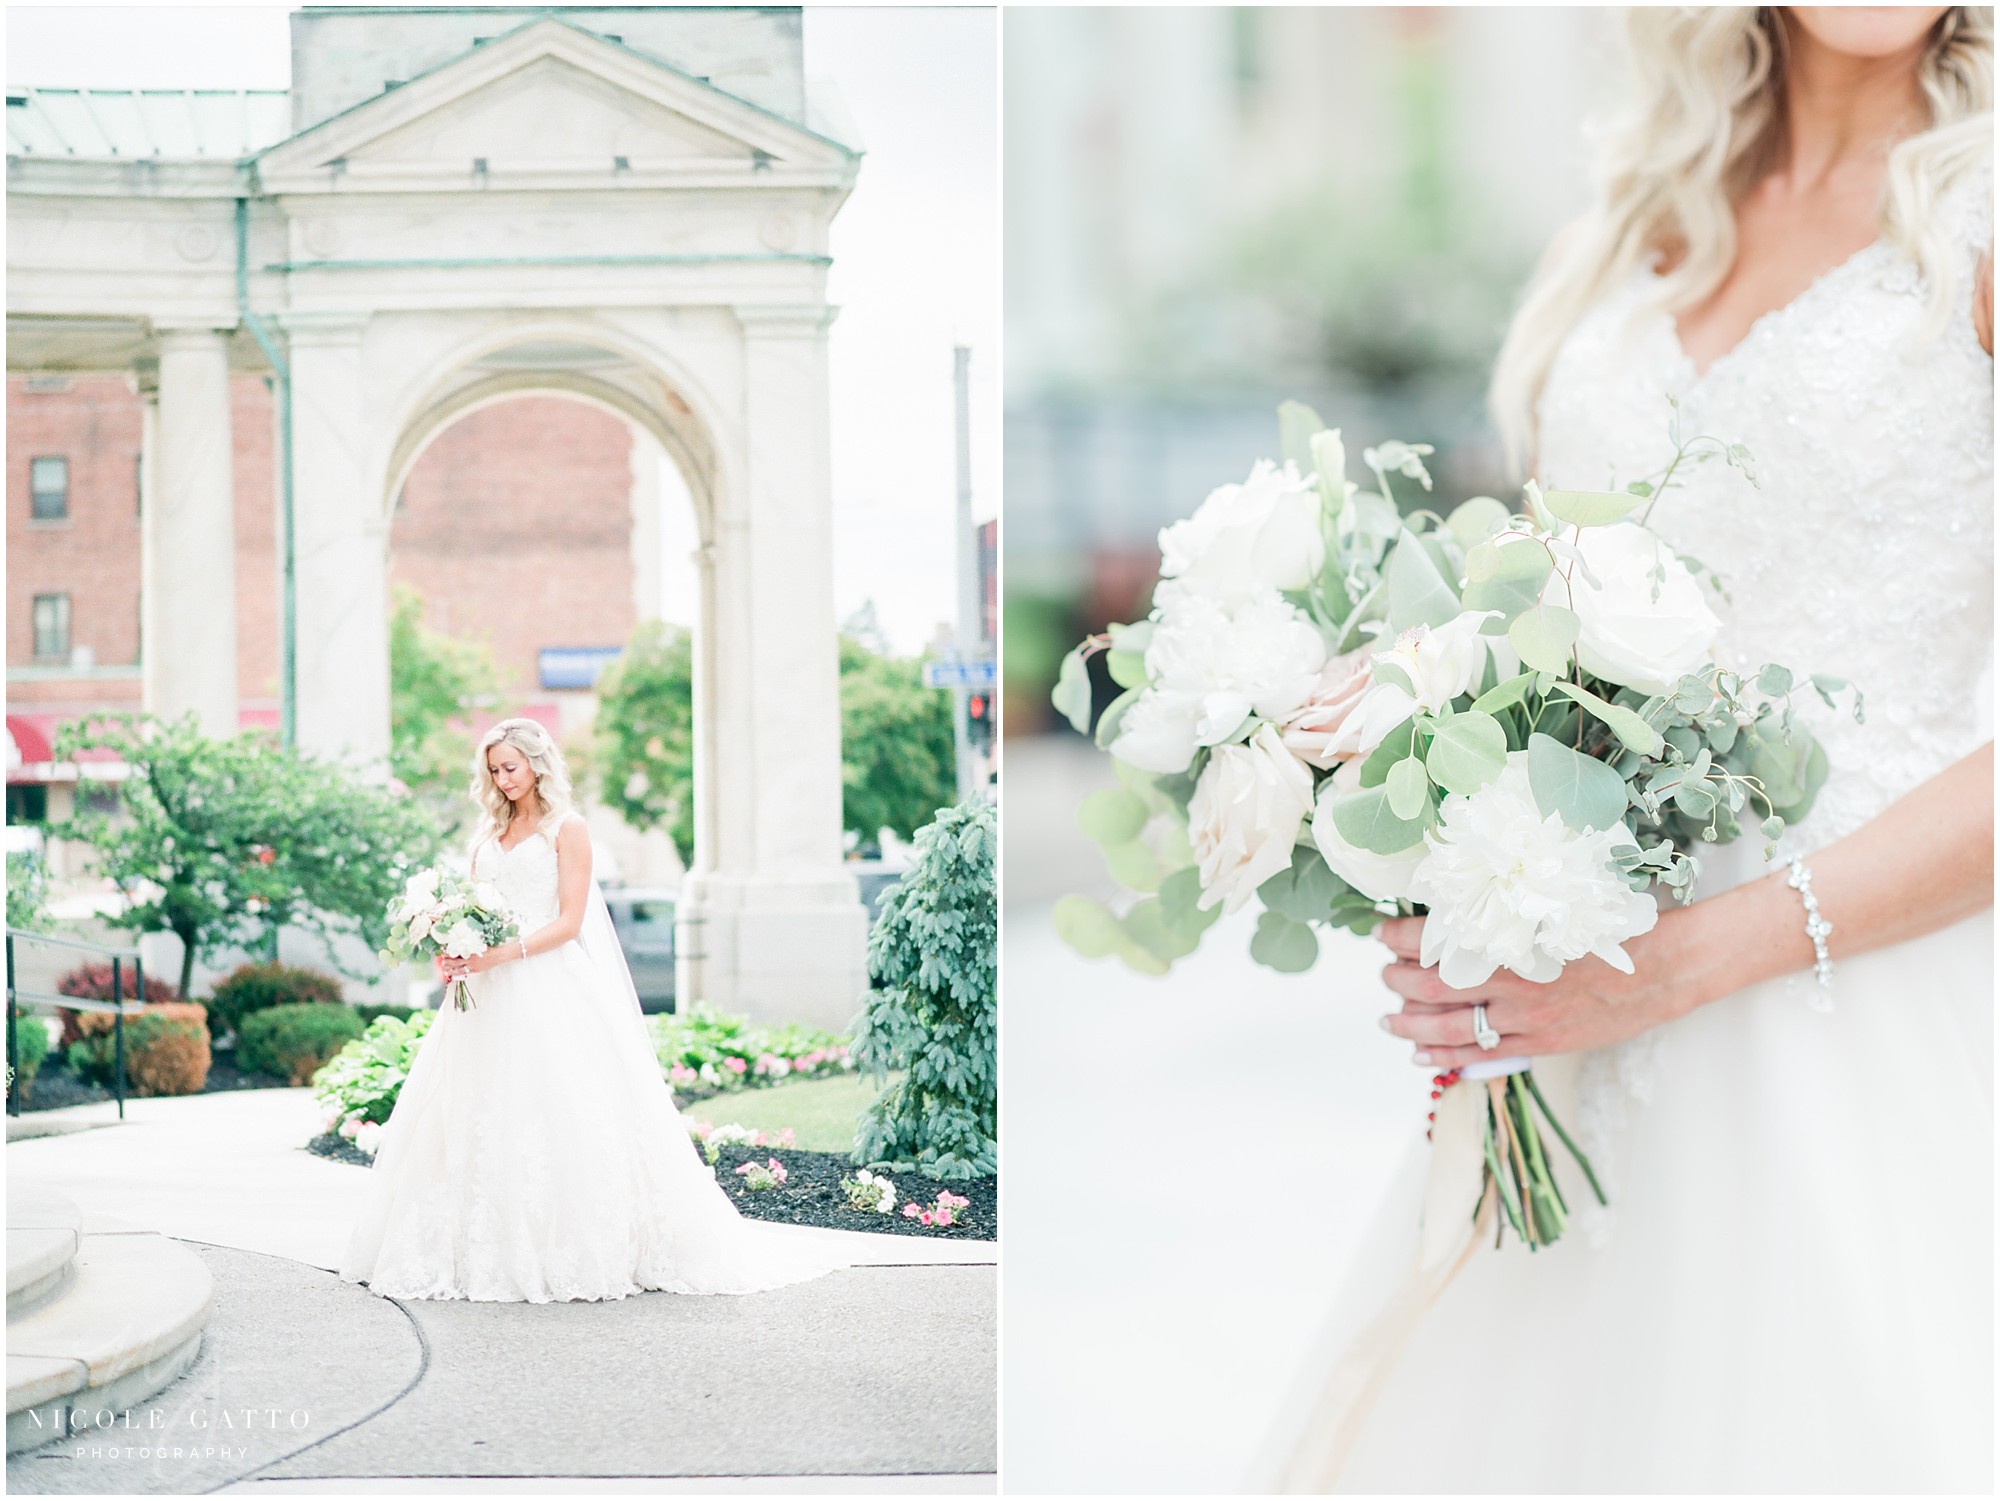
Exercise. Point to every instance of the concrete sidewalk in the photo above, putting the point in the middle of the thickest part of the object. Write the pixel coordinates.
(877, 1378)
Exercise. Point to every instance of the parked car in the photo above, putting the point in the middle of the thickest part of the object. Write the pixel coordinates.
(644, 919)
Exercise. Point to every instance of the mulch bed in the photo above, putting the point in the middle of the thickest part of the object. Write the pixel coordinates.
(811, 1194)
(56, 1088)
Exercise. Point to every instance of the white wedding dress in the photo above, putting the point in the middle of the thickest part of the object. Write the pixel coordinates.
(1793, 1288)
(535, 1154)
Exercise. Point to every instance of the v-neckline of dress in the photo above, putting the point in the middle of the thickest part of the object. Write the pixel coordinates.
(1761, 324)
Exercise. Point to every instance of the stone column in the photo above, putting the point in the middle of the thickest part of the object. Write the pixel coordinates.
(646, 458)
(188, 535)
(781, 926)
(342, 545)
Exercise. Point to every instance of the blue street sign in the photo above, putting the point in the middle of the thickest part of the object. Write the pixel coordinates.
(959, 674)
(574, 666)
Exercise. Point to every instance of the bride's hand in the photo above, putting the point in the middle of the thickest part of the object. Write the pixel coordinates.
(1592, 1005)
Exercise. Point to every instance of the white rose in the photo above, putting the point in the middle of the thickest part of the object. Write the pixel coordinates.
(420, 889)
(464, 940)
(1209, 668)
(1625, 635)
(1244, 817)
(1439, 662)
(1382, 878)
(1261, 534)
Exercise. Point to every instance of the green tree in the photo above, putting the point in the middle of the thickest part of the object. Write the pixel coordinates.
(936, 1014)
(643, 753)
(898, 764)
(217, 840)
(27, 890)
(434, 682)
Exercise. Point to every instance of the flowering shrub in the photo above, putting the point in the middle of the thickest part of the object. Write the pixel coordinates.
(705, 1051)
(870, 1193)
(759, 1177)
(251, 988)
(359, 1086)
(942, 1212)
(714, 1138)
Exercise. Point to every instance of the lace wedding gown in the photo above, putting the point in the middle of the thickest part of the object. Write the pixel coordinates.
(1792, 1289)
(535, 1155)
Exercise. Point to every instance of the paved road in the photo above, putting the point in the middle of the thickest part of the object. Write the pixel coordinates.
(873, 1378)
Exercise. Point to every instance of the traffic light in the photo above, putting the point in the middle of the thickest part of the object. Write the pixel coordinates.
(979, 721)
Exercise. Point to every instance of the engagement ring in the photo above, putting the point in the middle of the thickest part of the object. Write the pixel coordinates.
(1482, 1031)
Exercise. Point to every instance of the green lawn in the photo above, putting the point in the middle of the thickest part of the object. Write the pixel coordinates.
(821, 1112)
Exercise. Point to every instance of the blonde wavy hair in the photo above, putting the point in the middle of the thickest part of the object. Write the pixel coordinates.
(1706, 123)
(545, 760)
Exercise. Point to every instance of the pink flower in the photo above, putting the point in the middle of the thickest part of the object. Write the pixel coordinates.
(786, 1137)
(943, 1215)
(736, 1065)
(680, 1073)
(745, 1168)
(912, 1210)
(777, 1170)
(1312, 731)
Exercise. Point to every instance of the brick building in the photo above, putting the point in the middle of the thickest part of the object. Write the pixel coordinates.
(515, 527)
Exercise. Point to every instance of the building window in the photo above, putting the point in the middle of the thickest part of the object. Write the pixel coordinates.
(52, 627)
(27, 802)
(48, 481)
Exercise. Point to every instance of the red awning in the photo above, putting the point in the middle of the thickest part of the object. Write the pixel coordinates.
(28, 741)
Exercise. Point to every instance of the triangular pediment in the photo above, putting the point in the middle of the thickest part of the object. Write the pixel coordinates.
(547, 100)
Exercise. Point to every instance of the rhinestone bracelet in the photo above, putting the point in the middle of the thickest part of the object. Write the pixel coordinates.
(1818, 929)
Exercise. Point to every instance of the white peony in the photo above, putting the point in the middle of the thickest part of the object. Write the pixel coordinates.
(464, 940)
(1383, 878)
(420, 890)
(1625, 635)
(1244, 539)
(487, 897)
(368, 1137)
(1244, 817)
(1209, 668)
(1508, 885)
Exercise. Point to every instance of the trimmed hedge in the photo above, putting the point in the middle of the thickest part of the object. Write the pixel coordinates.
(295, 1042)
(251, 988)
(93, 981)
(166, 1050)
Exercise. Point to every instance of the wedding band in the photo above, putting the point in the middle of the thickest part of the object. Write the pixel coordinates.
(1482, 1030)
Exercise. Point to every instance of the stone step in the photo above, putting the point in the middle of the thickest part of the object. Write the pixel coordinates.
(129, 1323)
(43, 1231)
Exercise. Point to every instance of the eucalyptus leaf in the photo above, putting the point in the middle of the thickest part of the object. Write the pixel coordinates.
(1281, 944)
(1306, 891)
(1087, 926)
(1544, 637)
(1134, 865)
(1180, 901)
(1127, 668)
(1329, 458)
(1112, 816)
(1417, 591)
(1506, 576)
(1538, 509)
(1471, 522)
(1398, 743)
(1297, 423)
(1408, 786)
(1631, 729)
(1467, 752)
(1366, 820)
(1113, 717)
(1592, 507)
(1071, 694)
(1584, 792)
(1505, 695)
(1774, 679)
(1146, 926)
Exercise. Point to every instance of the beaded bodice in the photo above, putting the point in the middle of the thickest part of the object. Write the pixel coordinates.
(526, 876)
(1866, 551)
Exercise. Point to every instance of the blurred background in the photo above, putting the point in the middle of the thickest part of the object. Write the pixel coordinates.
(1209, 210)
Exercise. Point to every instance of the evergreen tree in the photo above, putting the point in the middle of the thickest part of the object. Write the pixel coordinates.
(936, 1013)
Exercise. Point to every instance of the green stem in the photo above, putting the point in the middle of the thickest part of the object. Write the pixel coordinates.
(1500, 1177)
(1548, 1201)
(1556, 1126)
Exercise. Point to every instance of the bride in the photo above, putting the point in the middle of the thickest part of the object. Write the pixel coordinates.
(1792, 1289)
(534, 1154)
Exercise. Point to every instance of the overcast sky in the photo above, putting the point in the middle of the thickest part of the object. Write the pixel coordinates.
(916, 251)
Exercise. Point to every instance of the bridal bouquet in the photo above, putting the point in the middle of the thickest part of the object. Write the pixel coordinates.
(1504, 718)
(440, 914)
